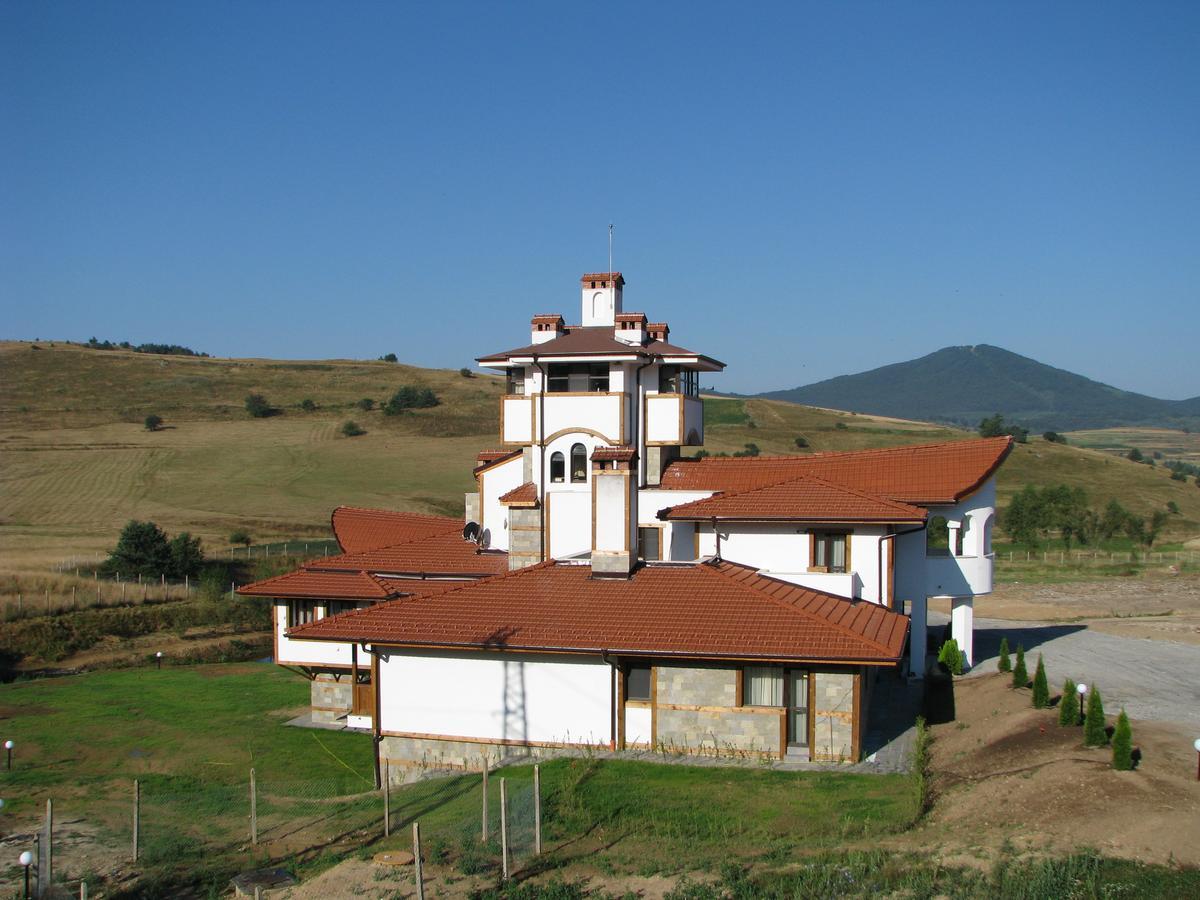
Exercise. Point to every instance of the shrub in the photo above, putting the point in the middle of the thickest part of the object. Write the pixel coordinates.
(1068, 705)
(153, 422)
(1094, 733)
(1053, 437)
(257, 406)
(240, 536)
(352, 429)
(802, 443)
(1122, 745)
(143, 549)
(1004, 664)
(366, 404)
(388, 357)
(1173, 507)
(1020, 677)
(1041, 690)
(950, 657)
(408, 397)
(466, 373)
(1135, 455)
(751, 450)
(308, 405)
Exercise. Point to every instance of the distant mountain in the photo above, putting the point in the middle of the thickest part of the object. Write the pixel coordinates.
(964, 384)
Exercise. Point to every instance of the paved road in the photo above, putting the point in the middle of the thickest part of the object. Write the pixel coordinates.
(1157, 680)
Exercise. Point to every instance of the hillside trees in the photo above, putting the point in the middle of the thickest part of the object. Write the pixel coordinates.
(153, 422)
(995, 426)
(258, 407)
(409, 397)
(143, 549)
(1034, 514)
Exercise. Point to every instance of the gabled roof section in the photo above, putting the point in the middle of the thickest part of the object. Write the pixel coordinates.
(438, 554)
(596, 340)
(485, 459)
(702, 610)
(358, 529)
(926, 474)
(309, 585)
(806, 498)
(522, 495)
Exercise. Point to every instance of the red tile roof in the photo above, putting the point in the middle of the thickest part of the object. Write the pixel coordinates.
(358, 529)
(595, 340)
(522, 495)
(807, 498)
(925, 474)
(602, 276)
(487, 458)
(323, 585)
(439, 554)
(610, 454)
(709, 610)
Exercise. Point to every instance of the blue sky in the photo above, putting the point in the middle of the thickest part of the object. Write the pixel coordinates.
(801, 190)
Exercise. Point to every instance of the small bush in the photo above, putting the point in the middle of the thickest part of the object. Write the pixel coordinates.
(466, 373)
(308, 405)
(153, 423)
(1122, 745)
(1020, 677)
(1004, 664)
(1053, 437)
(802, 443)
(388, 357)
(1094, 732)
(1041, 689)
(258, 407)
(352, 429)
(240, 536)
(950, 657)
(409, 397)
(366, 404)
(1068, 705)
(1173, 507)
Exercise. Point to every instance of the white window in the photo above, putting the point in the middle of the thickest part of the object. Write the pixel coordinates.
(762, 686)
(301, 612)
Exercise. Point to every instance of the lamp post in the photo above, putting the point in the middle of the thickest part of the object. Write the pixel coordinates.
(26, 860)
(1197, 746)
(1081, 689)
(158, 658)
(8, 747)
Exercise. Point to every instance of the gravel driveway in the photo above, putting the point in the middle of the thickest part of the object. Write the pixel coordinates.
(1156, 680)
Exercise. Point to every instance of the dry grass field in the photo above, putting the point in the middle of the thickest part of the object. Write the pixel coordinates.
(1172, 444)
(76, 462)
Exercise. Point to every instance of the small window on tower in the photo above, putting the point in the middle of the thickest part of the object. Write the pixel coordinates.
(578, 464)
(558, 468)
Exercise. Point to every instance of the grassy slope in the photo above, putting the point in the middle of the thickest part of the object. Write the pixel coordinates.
(75, 462)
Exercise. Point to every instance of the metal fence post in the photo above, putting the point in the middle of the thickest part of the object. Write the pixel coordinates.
(504, 827)
(387, 800)
(537, 810)
(253, 810)
(484, 836)
(417, 861)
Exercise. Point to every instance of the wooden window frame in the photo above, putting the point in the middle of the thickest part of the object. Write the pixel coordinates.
(293, 620)
(582, 479)
(743, 684)
(661, 529)
(818, 535)
(639, 701)
(561, 458)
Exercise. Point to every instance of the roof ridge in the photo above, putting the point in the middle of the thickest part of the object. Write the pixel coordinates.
(793, 588)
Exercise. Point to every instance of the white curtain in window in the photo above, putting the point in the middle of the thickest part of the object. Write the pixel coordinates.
(837, 550)
(763, 686)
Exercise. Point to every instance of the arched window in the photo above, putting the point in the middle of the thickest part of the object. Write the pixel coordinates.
(578, 464)
(557, 468)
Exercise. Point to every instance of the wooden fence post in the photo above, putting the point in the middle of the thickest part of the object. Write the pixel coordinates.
(504, 827)
(253, 810)
(46, 879)
(484, 836)
(417, 861)
(137, 815)
(537, 810)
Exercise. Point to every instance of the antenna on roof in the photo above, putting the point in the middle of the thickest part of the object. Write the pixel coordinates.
(610, 235)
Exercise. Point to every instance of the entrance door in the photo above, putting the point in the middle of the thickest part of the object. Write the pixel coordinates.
(363, 700)
(797, 707)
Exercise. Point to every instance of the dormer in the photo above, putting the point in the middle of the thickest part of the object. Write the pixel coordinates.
(546, 328)
(630, 328)
(658, 331)
(601, 297)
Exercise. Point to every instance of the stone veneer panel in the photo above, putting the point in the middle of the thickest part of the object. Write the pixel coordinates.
(723, 729)
(833, 716)
(331, 696)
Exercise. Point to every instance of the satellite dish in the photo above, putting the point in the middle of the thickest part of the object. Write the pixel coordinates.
(471, 532)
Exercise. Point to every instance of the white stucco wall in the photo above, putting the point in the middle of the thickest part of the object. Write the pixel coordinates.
(518, 420)
(598, 412)
(638, 720)
(570, 513)
(971, 574)
(315, 653)
(663, 415)
(495, 482)
(479, 695)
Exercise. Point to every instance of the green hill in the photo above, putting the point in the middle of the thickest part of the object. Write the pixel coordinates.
(964, 384)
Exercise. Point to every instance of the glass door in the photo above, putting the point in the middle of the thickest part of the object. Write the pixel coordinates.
(797, 707)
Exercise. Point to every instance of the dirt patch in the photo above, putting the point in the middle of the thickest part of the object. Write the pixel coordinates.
(1007, 773)
(1157, 607)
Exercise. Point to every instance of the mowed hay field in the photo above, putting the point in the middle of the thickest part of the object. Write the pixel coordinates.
(76, 462)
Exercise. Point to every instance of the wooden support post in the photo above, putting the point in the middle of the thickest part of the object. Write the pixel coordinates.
(484, 834)
(387, 801)
(83, 890)
(253, 810)
(504, 827)
(537, 810)
(46, 879)
(74, 605)
(417, 861)
(137, 815)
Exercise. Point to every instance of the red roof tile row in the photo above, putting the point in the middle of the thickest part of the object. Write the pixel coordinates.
(801, 499)
(708, 610)
(307, 584)
(522, 495)
(358, 529)
(440, 554)
(922, 475)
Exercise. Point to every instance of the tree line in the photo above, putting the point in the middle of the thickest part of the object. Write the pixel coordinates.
(1035, 514)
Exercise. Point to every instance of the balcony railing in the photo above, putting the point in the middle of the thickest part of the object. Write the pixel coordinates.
(957, 576)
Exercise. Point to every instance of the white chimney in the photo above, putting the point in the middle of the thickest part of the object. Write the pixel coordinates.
(630, 328)
(546, 328)
(601, 293)
(614, 511)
